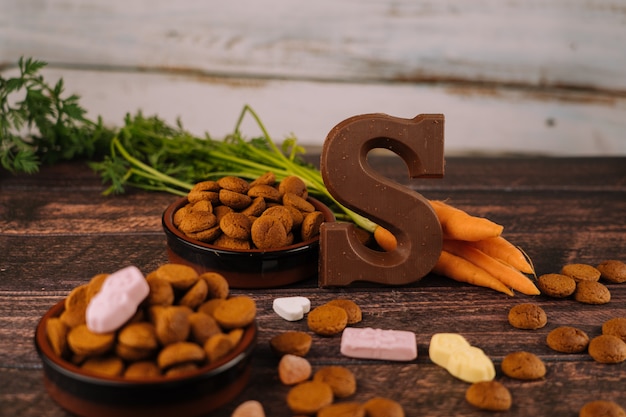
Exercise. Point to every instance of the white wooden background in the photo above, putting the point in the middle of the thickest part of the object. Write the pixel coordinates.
(511, 76)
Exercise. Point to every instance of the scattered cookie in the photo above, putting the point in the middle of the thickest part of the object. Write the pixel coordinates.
(556, 285)
(327, 320)
(340, 379)
(383, 407)
(489, 395)
(291, 342)
(615, 327)
(344, 409)
(523, 365)
(352, 309)
(250, 408)
(612, 271)
(592, 292)
(581, 272)
(309, 397)
(527, 316)
(567, 339)
(601, 408)
(607, 349)
(293, 369)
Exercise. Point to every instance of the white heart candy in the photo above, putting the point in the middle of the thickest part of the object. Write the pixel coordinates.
(292, 308)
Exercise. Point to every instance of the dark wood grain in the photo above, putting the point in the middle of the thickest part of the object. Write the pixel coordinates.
(57, 230)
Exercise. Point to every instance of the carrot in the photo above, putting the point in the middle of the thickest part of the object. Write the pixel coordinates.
(462, 270)
(457, 224)
(502, 249)
(385, 239)
(509, 276)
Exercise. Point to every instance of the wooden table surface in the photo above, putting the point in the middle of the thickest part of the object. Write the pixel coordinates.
(57, 231)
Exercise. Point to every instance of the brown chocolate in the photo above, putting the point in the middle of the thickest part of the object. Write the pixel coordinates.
(405, 213)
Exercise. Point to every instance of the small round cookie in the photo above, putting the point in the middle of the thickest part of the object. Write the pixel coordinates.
(556, 285)
(209, 306)
(269, 178)
(592, 292)
(345, 409)
(57, 331)
(204, 190)
(523, 365)
(75, 306)
(228, 242)
(249, 408)
(266, 192)
(291, 342)
(489, 395)
(567, 339)
(197, 221)
(195, 295)
(383, 407)
(581, 272)
(235, 184)
(601, 408)
(607, 349)
(235, 312)
(309, 397)
(182, 369)
(179, 353)
(161, 291)
(615, 327)
(327, 320)
(293, 184)
(202, 327)
(612, 271)
(293, 200)
(293, 369)
(311, 225)
(268, 232)
(104, 365)
(527, 316)
(179, 276)
(236, 201)
(218, 346)
(255, 209)
(352, 309)
(341, 380)
(236, 225)
(142, 369)
(84, 342)
(140, 335)
(218, 286)
(283, 214)
(171, 323)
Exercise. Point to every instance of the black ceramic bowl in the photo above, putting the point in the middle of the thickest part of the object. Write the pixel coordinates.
(252, 268)
(194, 394)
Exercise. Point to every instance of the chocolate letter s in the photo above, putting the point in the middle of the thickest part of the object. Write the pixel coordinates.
(404, 212)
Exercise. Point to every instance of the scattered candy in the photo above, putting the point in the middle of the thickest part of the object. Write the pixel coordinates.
(463, 361)
(292, 308)
(117, 300)
(368, 343)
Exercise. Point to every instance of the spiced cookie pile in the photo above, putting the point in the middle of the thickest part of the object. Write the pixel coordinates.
(236, 214)
(182, 321)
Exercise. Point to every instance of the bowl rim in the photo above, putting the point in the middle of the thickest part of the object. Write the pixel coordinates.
(243, 349)
(167, 220)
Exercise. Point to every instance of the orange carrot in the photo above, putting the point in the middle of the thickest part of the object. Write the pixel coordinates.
(509, 276)
(457, 224)
(462, 270)
(385, 239)
(502, 249)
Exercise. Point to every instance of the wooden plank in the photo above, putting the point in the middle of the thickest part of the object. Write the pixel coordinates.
(560, 43)
(479, 120)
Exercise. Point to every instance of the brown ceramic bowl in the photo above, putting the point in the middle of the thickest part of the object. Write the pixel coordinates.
(194, 394)
(252, 268)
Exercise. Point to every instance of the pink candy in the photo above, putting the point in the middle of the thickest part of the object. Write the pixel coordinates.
(368, 343)
(117, 301)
